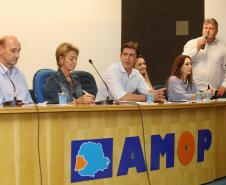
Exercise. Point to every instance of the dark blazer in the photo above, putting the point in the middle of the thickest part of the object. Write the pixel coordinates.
(57, 83)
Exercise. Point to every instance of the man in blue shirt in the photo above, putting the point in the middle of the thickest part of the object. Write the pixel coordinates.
(12, 81)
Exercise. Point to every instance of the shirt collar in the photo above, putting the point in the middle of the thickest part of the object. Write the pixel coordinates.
(122, 70)
(62, 76)
(215, 41)
(5, 70)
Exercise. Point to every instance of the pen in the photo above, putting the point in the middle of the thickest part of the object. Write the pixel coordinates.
(84, 92)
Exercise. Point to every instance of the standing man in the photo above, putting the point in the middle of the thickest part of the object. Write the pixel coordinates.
(208, 56)
(124, 81)
(13, 85)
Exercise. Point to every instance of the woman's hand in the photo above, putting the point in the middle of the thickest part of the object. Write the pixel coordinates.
(85, 99)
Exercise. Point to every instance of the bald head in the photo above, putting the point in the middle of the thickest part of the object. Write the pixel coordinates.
(9, 50)
(7, 38)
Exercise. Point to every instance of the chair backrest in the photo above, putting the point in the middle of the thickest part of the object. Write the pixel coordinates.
(32, 95)
(156, 87)
(39, 81)
(87, 81)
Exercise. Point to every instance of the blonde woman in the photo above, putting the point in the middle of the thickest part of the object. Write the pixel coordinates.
(62, 81)
(140, 65)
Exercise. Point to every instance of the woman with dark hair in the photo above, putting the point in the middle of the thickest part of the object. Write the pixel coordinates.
(180, 83)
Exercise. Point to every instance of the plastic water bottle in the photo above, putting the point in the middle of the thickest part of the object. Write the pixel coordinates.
(198, 96)
(150, 98)
(63, 98)
(208, 95)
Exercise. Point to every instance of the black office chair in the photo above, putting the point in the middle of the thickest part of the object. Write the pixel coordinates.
(87, 81)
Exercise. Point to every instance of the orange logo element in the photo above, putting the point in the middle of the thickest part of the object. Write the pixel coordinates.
(186, 148)
(80, 163)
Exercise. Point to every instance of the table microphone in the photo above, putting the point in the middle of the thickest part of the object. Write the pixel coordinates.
(107, 101)
(14, 102)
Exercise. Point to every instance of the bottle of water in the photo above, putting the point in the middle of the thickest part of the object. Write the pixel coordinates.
(208, 95)
(198, 96)
(150, 98)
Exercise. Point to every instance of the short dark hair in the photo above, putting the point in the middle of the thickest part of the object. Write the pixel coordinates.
(2, 41)
(131, 45)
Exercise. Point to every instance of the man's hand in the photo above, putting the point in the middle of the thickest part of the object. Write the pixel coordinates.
(159, 95)
(201, 42)
(221, 91)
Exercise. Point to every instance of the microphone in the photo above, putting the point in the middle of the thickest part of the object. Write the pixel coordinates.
(208, 87)
(107, 101)
(205, 36)
(14, 102)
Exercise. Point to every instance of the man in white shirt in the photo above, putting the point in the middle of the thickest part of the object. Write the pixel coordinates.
(208, 56)
(123, 80)
(13, 85)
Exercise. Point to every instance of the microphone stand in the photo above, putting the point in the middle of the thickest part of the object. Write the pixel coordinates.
(107, 101)
(14, 102)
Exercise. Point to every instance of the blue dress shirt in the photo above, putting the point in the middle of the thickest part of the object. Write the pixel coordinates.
(177, 90)
(7, 90)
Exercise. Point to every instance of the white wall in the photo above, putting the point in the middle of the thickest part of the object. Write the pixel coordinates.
(216, 9)
(92, 25)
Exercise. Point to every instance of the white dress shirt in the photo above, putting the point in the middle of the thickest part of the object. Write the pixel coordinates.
(119, 83)
(6, 87)
(208, 65)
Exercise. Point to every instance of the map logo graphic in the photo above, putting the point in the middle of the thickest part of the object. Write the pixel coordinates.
(91, 159)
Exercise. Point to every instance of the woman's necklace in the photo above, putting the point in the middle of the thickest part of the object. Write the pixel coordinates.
(68, 79)
(185, 82)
